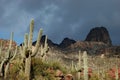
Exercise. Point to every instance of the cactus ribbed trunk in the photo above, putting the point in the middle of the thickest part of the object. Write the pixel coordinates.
(79, 64)
(31, 33)
(116, 73)
(28, 67)
(85, 62)
(2, 68)
(72, 66)
(80, 60)
(78, 75)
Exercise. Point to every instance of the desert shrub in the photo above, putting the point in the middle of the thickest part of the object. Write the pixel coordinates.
(14, 71)
(40, 67)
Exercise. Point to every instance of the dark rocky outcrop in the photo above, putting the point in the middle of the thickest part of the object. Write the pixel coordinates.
(66, 42)
(50, 43)
(99, 34)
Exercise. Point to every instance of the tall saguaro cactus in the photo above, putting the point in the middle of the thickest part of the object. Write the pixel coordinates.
(27, 52)
(116, 73)
(85, 62)
(44, 49)
(79, 64)
(6, 62)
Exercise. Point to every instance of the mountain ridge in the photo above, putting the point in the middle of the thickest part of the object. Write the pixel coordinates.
(93, 45)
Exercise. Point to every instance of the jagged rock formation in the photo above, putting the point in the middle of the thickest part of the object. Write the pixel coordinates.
(50, 43)
(99, 34)
(66, 42)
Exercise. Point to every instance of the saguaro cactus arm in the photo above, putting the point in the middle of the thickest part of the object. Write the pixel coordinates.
(26, 49)
(31, 33)
(15, 53)
(26, 40)
(46, 45)
(2, 67)
(44, 49)
(37, 43)
(6, 70)
(10, 45)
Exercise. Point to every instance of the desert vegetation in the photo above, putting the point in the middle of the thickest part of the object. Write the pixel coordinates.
(39, 62)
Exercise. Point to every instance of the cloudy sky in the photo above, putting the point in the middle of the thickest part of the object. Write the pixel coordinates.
(59, 18)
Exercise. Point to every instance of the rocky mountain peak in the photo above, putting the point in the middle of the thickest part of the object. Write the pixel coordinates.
(99, 34)
(66, 42)
(50, 43)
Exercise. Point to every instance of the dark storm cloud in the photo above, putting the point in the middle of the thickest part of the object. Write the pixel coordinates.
(61, 18)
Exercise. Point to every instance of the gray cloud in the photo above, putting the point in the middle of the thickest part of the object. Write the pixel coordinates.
(61, 18)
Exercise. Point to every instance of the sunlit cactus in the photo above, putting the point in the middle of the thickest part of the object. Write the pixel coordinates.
(85, 62)
(116, 73)
(4, 67)
(79, 64)
(80, 60)
(44, 49)
(72, 66)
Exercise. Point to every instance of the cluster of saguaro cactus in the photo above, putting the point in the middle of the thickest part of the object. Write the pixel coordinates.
(7, 60)
(26, 51)
(82, 68)
(82, 65)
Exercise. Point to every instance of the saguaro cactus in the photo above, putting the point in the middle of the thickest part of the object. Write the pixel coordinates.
(8, 58)
(116, 73)
(44, 49)
(27, 52)
(79, 64)
(85, 62)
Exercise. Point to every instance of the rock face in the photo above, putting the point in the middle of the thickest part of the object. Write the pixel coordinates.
(90, 47)
(5, 44)
(99, 34)
(110, 51)
(66, 42)
(50, 43)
